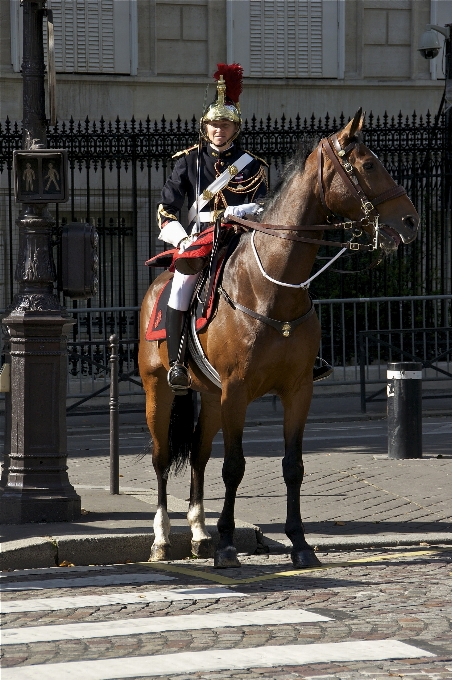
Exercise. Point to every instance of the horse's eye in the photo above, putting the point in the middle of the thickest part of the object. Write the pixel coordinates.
(368, 165)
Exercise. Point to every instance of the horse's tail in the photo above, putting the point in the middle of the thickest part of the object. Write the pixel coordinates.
(180, 432)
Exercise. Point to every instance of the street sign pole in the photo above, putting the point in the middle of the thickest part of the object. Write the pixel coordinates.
(35, 486)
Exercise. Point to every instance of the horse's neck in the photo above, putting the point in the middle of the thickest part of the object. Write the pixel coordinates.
(284, 260)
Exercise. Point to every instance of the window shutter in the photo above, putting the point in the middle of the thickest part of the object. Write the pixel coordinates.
(91, 36)
(285, 38)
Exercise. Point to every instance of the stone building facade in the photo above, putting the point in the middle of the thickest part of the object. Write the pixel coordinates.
(154, 57)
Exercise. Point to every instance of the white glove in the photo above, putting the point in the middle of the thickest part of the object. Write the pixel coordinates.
(241, 210)
(173, 233)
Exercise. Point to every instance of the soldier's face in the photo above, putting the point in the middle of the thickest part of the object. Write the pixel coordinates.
(220, 131)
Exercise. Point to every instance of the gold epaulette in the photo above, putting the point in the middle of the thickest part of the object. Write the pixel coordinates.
(185, 151)
(257, 157)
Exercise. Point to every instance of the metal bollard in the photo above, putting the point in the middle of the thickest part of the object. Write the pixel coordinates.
(404, 410)
(114, 416)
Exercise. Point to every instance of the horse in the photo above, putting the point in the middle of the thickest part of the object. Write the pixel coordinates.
(341, 177)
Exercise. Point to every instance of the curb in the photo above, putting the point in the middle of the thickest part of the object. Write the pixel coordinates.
(84, 550)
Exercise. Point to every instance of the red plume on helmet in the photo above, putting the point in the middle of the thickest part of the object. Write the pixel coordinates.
(233, 77)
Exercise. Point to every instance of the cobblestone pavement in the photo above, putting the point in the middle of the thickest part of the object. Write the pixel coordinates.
(369, 595)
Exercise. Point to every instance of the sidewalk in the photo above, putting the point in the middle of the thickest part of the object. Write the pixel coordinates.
(352, 495)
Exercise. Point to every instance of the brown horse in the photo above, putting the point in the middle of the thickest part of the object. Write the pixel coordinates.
(252, 357)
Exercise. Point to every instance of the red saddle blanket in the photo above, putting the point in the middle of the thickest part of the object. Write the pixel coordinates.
(156, 326)
(202, 247)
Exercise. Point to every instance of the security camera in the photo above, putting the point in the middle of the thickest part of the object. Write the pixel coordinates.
(429, 45)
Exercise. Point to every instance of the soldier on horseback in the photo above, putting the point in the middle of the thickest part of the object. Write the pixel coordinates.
(219, 179)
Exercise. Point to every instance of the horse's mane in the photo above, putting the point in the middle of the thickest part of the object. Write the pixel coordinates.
(294, 165)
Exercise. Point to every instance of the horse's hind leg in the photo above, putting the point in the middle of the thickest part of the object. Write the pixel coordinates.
(233, 411)
(209, 423)
(296, 409)
(158, 410)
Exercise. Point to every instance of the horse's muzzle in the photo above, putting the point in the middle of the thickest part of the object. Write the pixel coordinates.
(404, 230)
(410, 227)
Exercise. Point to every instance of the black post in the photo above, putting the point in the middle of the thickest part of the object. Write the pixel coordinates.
(114, 415)
(404, 410)
(35, 486)
(448, 118)
(362, 372)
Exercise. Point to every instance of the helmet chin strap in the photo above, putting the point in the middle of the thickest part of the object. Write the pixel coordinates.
(220, 146)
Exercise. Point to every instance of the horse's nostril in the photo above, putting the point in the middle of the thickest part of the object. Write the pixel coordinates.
(410, 221)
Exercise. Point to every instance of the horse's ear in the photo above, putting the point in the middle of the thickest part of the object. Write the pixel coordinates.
(354, 126)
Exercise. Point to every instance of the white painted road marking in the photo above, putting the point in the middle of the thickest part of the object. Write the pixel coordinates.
(217, 660)
(58, 603)
(84, 582)
(158, 624)
(61, 571)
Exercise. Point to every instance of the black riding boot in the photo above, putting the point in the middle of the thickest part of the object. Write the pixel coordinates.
(178, 377)
(322, 371)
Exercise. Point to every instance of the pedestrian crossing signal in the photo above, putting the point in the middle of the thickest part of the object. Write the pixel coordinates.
(40, 176)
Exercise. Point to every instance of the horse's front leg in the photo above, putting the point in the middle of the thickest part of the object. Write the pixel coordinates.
(158, 410)
(296, 409)
(233, 411)
(209, 422)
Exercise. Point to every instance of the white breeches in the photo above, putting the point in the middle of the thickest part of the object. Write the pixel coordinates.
(182, 288)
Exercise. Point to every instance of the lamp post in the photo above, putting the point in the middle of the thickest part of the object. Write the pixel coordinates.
(35, 486)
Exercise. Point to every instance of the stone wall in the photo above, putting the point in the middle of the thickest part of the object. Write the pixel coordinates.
(180, 42)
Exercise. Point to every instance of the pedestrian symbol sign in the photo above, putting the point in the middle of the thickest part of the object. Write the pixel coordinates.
(40, 176)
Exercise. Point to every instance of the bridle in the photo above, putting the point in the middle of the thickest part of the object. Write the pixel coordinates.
(346, 171)
(331, 147)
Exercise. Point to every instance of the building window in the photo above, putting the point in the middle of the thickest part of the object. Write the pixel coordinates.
(286, 38)
(91, 36)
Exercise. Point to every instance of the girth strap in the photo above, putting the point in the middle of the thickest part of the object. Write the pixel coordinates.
(284, 327)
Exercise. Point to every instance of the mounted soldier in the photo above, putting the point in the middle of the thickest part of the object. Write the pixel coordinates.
(219, 179)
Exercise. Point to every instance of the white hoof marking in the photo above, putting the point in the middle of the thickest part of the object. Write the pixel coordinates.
(197, 522)
(162, 527)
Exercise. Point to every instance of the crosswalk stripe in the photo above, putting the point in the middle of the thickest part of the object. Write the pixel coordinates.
(218, 659)
(158, 624)
(85, 581)
(61, 571)
(58, 603)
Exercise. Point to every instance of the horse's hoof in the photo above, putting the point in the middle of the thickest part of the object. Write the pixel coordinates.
(226, 558)
(160, 553)
(303, 559)
(203, 548)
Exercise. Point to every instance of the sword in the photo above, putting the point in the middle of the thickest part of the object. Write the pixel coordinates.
(198, 165)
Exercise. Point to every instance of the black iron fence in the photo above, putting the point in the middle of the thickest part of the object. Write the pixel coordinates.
(118, 169)
(359, 337)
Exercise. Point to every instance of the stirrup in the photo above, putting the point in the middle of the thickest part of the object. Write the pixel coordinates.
(179, 379)
(323, 371)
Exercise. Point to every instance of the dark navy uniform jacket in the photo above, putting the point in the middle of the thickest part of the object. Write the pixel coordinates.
(248, 186)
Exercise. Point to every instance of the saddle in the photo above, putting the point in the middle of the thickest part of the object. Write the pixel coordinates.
(204, 298)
